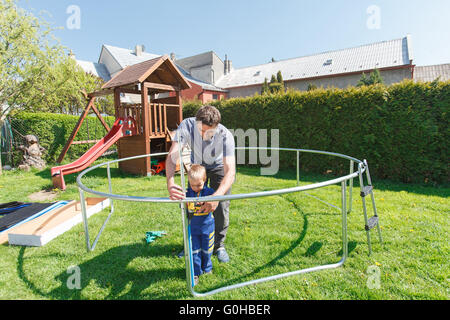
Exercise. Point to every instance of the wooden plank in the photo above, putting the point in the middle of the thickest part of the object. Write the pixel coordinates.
(160, 86)
(147, 126)
(99, 116)
(45, 228)
(4, 234)
(161, 129)
(180, 104)
(85, 142)
(75, 130)
(155, 118)
(100, 93)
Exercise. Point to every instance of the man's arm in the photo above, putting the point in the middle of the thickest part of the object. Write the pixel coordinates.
(175, 191)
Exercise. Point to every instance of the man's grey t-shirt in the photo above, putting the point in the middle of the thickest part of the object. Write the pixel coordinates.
(208, 153)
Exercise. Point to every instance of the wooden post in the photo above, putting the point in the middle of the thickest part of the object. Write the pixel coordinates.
(99, 116)
(146, 109)
(180, 107)
(75, 130)
(116, 102)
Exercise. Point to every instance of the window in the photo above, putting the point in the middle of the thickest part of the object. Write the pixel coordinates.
(215, 96)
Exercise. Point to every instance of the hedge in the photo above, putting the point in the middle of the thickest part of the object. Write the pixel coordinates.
(402, 130)
(53, 130)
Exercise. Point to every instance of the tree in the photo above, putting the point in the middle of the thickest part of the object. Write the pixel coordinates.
(311, 87)
(275, 86)
(36, 73)
(265, 87)
(373, 78)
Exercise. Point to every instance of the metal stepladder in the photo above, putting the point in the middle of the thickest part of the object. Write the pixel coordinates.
(374, 221)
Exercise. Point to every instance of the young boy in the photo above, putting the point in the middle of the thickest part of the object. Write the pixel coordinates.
(201, 224)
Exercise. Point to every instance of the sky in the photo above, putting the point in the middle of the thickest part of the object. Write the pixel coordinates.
(249, 32)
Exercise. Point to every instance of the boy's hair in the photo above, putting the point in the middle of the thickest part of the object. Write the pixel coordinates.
(197, 172)
(209, 115)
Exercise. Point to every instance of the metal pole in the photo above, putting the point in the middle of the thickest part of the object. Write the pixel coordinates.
(344, 220)
(186, 226)
(85, 220)
(363, 199)
(298, 168)
(350, 191)
(110, 186)
(369, 181)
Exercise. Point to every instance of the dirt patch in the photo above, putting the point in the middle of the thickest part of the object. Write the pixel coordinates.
(43, 196)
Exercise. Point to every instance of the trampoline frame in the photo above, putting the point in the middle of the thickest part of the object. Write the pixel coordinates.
(362, 167)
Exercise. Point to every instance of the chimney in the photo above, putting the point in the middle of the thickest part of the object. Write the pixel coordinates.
(227, 65)
(139, 49)
(230, 66)
(172, 56)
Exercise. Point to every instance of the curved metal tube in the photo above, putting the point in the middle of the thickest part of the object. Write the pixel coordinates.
(188, 256)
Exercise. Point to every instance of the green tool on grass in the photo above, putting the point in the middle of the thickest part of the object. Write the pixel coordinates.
(150, 236)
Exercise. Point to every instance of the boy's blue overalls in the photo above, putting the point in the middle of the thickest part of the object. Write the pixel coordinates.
(202, 232)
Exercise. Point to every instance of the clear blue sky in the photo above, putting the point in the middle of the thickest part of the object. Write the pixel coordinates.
(250, 32)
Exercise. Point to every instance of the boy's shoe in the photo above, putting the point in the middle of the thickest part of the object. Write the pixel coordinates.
(222, 255)
(195, 280)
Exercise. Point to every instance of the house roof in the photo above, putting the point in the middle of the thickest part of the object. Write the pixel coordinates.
(393, 53)
(159, 70)
(431, 73)
(126, 57)
(204, 85)
(96, 69)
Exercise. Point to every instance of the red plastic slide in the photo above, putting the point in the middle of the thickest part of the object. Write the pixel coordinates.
(122, 127)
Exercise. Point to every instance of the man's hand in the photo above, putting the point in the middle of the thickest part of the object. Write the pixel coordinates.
(175, 192)
(209, 207)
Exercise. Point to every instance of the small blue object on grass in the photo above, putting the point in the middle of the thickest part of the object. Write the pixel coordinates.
(150, 236)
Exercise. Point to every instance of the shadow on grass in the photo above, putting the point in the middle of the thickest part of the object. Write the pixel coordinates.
(109, 271)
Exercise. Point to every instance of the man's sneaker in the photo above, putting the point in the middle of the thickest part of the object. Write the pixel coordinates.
(195, 280)
(222, 255)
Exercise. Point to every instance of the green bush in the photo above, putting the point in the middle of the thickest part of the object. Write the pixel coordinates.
(53, 131)
(402, 130)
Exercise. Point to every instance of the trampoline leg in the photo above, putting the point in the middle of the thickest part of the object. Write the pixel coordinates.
(344, 221)
(369, 181)
(85, 219)
(365, 191)
(350, 191)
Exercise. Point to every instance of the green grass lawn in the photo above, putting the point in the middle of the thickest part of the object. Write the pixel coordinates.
(267, 236)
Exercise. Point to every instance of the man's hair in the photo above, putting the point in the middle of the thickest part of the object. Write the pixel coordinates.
(209, 115)
(197, 171)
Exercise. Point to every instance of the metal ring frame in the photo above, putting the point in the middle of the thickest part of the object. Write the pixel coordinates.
(362, 166)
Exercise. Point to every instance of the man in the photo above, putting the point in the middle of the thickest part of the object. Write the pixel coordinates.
(212, 146)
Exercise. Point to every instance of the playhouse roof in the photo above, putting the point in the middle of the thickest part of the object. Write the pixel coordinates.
(158, 70)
